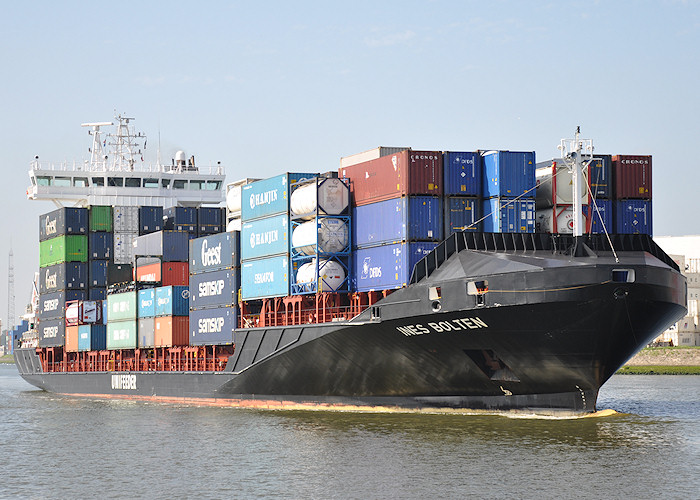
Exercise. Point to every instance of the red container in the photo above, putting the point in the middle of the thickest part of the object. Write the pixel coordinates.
(632, 177)
(167, 273)
(392, 176)
(72, 338)
(172, 331)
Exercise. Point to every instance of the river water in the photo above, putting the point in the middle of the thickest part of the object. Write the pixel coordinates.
(62, 447)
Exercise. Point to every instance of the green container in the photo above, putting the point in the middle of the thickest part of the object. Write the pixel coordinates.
(122, 335)
(100, 218)
(121, 306)
(73, 248)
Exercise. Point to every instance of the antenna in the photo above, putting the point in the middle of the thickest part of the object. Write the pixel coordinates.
(10, 293)
(97, 156)
(577, 154)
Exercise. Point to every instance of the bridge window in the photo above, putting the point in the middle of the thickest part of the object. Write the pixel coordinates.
(165, 183)
(213, 185)
(179, 184)
(133, 182)
(98, 181)
(62, 181)
(196, 185)
(115, 181)
(80, 182)
(43, 181)
(150, 183)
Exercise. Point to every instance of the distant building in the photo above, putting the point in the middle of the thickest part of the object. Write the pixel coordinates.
(685, 251)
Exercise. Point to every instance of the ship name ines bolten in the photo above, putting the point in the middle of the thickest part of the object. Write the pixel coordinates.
(443, 326)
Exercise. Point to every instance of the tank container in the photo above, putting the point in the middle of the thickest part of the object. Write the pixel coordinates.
(83, 312)
(92, 337)
(124, 247)
(632, 176)
(100, 245)
(213, 326)
(146, 303)
(97, 293)
(597, 220)
(633, 217)
(265, 237)
(508, 173)
(147, 332)
(172, 331)
(150, 219)
(557, 190)
(326, 196)
(267, 277)
(52, 332)
(171, 245)
(462, 214)
(218, 251)
(100, 218)
(269, 196)
(398, 219)
(371, 154)
(558, 219)
(121, 306)
(66, 276)
(600, 176)
(64, 221)
(406, 173)
(506, 215)
(321, 235)
(234, 225)
(329, 277)
(172, 300)
(180, 219)
(386, 267)
(53, 305)
(210, 220)
(122, 334)
(63, 249)
(214, 288)
(125, 219)
(98, 272)
(462, 173)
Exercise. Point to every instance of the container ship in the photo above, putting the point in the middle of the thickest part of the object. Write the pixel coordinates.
(405, 279)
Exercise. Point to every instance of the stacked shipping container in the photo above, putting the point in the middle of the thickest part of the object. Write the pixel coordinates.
(508, 191)
(632, 206)
(462, 187)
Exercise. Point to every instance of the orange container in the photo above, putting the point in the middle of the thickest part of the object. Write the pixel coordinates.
(72, 337)
(167, 273)
(172, 331)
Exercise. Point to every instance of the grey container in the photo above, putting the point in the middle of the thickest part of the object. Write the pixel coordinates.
(125, 219)
(52, 332)
(173, 246)
(147, 332)
(124, 247)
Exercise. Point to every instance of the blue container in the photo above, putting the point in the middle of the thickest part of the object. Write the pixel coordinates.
(462, 173)
(508, 173)
(146, 303)
(64, 221)
(92, 337)
(265, 237)
(218, 251)
(596, 218)
(150, 219)
(213, 326)
(600, 176)
(633, 217)
(53, 305)
(503, 215)
(462, 214)
(180, 219)
(215, 288)
(65, 276)
(52, 332)
(399, 219)
(97, 293)
(100, 245)
(98, 271)
(268, 196)
(210, 220)
(172, 301)
(386, 267)
(265, 278)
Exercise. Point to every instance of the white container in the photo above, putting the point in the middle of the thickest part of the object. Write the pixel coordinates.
(331, 195)
(372, 154)
(564, 216)
(331, 234)
(563, 183)
(124, 247)
(331, 274)
(125, 219)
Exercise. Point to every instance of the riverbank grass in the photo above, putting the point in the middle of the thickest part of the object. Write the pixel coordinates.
(7, 358)
(659, 370)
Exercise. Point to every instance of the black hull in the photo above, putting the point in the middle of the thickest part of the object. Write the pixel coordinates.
(546, 336)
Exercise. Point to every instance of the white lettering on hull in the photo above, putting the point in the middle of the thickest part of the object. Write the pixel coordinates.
(454, 325)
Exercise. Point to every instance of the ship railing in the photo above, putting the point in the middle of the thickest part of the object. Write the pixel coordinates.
(86, 166)
(564, 244)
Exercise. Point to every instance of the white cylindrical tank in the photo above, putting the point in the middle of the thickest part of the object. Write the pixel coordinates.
(331, 274)
(563, 183)
(544, 222)
(331, 195)
(233, 225)
(233, 199)
(332, 236)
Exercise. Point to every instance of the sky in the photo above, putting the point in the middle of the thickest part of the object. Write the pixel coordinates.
(274, 86)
